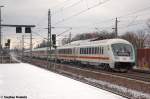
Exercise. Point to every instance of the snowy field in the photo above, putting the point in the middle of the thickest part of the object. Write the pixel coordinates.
(36, 83)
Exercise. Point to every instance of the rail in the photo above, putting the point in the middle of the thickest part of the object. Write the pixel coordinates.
(5, 59)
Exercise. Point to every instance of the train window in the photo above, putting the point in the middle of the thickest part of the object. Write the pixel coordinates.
(102, 50)
(92, 50)
(89, 50)
(84, 50)
(95, 50)
(67, 51)
(80, 50)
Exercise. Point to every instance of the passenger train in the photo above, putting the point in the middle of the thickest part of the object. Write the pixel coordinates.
(115, 54)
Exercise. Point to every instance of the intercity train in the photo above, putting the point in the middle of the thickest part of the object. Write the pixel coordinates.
(115, 54)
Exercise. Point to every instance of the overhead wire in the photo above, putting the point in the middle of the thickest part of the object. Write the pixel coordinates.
(85, 10)
(132, 13)
(72, 5)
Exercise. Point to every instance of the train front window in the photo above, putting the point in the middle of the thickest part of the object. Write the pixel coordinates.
(122, 49)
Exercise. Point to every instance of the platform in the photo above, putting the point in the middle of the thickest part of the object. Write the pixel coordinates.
(31, 82)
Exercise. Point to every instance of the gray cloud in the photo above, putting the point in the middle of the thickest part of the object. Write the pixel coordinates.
(35, 12)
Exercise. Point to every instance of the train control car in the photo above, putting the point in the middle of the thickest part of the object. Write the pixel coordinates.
(110, 53)
(116, 54)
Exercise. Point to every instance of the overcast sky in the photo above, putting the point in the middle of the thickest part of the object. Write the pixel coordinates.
(66, 13)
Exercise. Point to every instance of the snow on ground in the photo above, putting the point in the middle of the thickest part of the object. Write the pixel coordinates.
(36, 83)
(121, 88)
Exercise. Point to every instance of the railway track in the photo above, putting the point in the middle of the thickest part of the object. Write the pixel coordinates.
(137, 76)
(131, 80)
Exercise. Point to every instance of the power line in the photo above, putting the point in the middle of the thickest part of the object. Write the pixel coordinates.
(131, 13)
(85, 10)
(60, 4)
(128, 14)
(64, 32)
(72, 5)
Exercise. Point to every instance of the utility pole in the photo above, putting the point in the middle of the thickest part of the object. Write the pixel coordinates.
(31, 47)
(49, 39)
(0, 35)
(116, 28)
(1, 28)
(69, 37)
(22, 47)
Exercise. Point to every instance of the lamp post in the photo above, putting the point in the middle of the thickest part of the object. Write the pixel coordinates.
(0, 31)
(0, 36)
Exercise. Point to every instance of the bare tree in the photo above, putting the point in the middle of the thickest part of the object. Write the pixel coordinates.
(148, 36)
(138, 39)
(142, 38)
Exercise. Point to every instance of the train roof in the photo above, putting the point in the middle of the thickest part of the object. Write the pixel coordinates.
(94, 43)
(37, 49)
(88, 42)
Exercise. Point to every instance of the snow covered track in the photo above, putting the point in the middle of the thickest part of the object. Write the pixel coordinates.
(134, 88)
(36, 83)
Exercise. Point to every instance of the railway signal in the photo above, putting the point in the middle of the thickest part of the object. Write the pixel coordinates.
(18, 29)
(54, 39)
(27, 29)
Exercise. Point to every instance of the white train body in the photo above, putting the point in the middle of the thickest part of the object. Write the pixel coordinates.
(112, 53)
